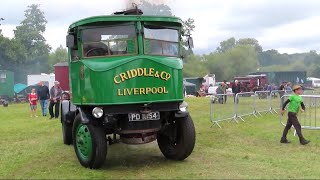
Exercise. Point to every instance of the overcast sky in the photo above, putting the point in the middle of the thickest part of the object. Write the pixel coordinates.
(287, 25)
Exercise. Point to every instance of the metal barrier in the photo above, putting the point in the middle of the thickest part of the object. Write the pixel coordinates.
(307, 119)
(250, 103)
(275, 100)
(244, 105)
(218, 112)
(309, 92)
(262, 102)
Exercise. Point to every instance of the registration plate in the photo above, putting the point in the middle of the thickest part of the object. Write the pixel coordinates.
(144, 116)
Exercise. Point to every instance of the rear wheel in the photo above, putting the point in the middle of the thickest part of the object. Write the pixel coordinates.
(177, 141)
(89, 143)
(66, 132)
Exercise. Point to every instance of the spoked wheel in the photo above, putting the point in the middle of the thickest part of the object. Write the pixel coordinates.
(89, 143)
(177, 141)
(66, 132)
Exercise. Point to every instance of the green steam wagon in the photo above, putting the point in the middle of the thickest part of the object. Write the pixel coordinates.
(126, 86)
(6, 86)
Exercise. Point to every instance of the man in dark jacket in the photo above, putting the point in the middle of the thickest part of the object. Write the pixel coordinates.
(43, 95)
(55, 97)
(235, 90)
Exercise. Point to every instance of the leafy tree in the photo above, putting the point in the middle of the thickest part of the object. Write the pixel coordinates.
(311, 58)
(236, 61)
(12, 57)
(59, 55)
(251, 42)
(150, 8)
(194, 66)
(226, 45)
(1, 19)
(29, 36)
(273, 57)
(30, 32)
(188, 27)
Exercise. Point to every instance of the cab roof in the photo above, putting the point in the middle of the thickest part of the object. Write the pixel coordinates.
(125, 18)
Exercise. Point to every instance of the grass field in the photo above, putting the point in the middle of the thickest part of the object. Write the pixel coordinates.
(33, 148)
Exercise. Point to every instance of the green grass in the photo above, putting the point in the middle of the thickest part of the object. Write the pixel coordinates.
(33, 148)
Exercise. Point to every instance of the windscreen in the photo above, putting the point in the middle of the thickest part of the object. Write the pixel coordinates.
(161, 41)
(108, 41)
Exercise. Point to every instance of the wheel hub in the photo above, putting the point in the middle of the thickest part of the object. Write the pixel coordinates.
(84, 141)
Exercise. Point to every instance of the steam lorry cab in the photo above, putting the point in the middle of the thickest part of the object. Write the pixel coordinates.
(126, 85)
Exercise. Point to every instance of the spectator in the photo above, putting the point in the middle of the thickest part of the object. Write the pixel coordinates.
(33, 102)
(220, 90)
(269, 87)
(288, 87)
(235, 90)
(281, 90)
(43, 95)
(55, 97)
(201, 92)
(225, 92)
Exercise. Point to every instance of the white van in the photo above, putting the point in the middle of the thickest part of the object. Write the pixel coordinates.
(314, 81)
(47, 79)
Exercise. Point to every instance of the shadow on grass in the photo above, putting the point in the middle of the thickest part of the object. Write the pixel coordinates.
(122, 156)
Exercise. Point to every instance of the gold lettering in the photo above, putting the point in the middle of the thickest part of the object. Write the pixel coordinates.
(151, 71)
(140, 72)
(168, 76)
(144, 71)
(129, 91)
(142, 91)
(115, 80)
(165, 76)
(136, 91)
(134, 73)
(160, 90)
(129, 74)
(154, 90)
(148, 90)
(156, 74)
(123, 76)
(119, 93)
(164, 90)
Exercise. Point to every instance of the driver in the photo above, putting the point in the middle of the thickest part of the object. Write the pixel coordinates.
(92, 45)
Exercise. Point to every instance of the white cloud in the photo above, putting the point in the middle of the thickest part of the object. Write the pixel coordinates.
(302, 34)
(288, 25)
(7, 30)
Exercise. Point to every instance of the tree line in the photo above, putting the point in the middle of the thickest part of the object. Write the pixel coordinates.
(240, 57)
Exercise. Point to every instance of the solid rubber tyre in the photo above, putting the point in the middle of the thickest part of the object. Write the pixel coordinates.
(66, 133)
(182, 147)
(91, 152)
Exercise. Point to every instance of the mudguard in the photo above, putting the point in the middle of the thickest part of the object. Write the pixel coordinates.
(68, 111)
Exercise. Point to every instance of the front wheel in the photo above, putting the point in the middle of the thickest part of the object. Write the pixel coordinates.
(89, 144)
(177, 140)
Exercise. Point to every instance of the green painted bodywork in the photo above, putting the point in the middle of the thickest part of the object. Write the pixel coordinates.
(7, 84)
(92, 79)
(127, 18)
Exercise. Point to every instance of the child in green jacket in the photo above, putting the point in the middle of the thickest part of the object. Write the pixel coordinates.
(295, 104)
